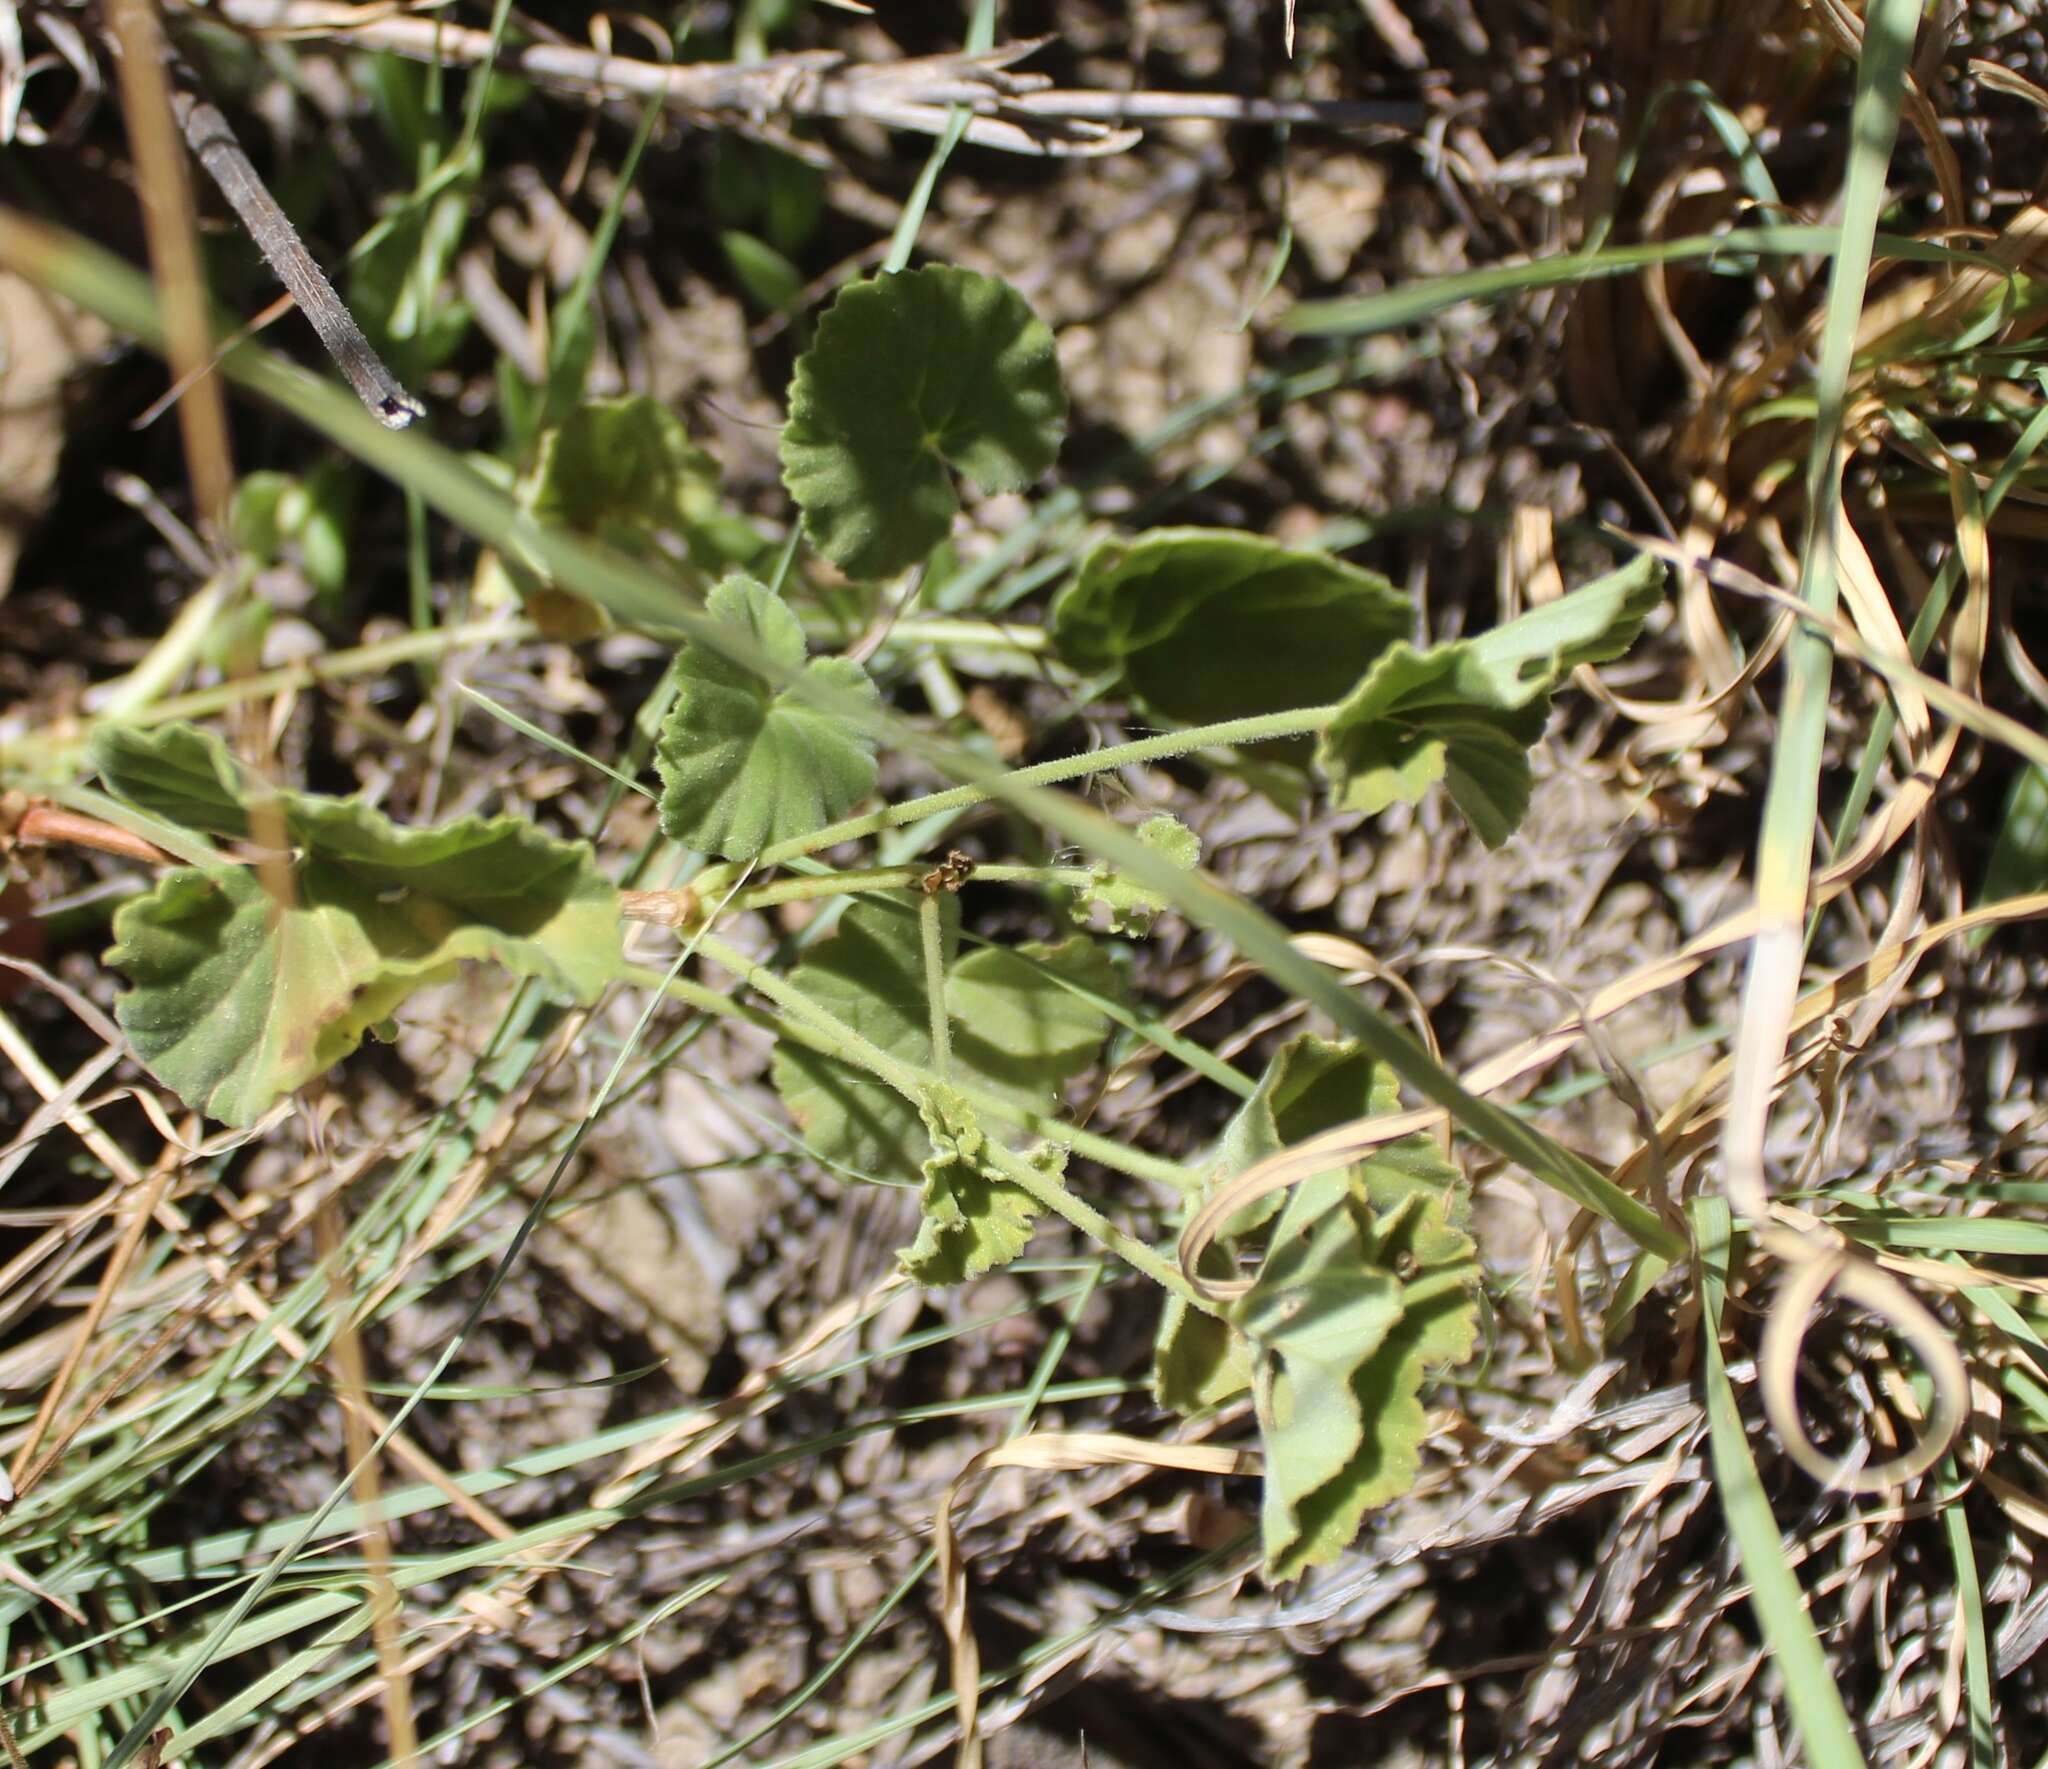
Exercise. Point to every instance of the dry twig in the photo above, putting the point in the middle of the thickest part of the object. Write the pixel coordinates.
(1018, 113)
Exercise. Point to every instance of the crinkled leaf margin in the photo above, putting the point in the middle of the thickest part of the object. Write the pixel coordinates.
(1467, 713)
(1369, 1280)
(745, 765)
(239, 997)
(971, 1219)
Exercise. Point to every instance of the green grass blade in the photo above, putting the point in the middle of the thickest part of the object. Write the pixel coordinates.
(981, 37)
(1738, 249)
(1955, 1521)
(637, 594)
(1785, 856)
(1780, 1605)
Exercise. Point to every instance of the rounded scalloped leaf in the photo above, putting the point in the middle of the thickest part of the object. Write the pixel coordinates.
(911, 375)
(229, 1002)
(612, 461)
(745, 765)
(1209, 623)
(179, 773)
(237, 999)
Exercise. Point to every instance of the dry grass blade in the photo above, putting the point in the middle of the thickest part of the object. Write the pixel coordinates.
(1046, 1452)
(1957, 703)
(1811, 1275)
(1784, 882)
(352, 1369)
(167, 212)
(113, 1275)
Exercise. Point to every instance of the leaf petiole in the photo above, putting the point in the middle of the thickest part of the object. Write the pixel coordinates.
(931, 941)
(832, 1035)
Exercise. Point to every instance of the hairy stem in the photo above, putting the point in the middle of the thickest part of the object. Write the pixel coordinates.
(931, 938)
(824, 1031)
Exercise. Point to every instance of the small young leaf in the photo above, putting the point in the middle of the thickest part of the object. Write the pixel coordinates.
(972, 1218)
(908, 375)
(770, 280)
(331, 490)
(239, 998)
(745, 765)
(1467, 713)
(1017, 1032)
(254, 513)
(1209, 623)
(620, 463)
(397, 288)
(1133, 907)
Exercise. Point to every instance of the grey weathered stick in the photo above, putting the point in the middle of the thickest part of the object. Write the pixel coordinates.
(1013, 111)
(214, 145)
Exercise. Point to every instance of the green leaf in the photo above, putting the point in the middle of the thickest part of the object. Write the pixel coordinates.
(254, 513)
(1133, 907)
(869, 975)
(323, 531)
(1210, 624)
(181, 774)
(1423, 716)
(623, 471)
(1310, 1085)
(238, 998)
(1339, 1385)
(397, 281)
(770, 280)
(2019, 857)
(616, 463)
(973, 1219)
(1368, 1281)
(1017, 1032)
(1317, 1316)
(909, 375)
(745, 765)
(1015, 1019)
(1466, 713)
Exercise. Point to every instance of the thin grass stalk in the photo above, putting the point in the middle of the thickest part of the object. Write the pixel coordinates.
(1785, 856)
(352, 1371)
(161, 170)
